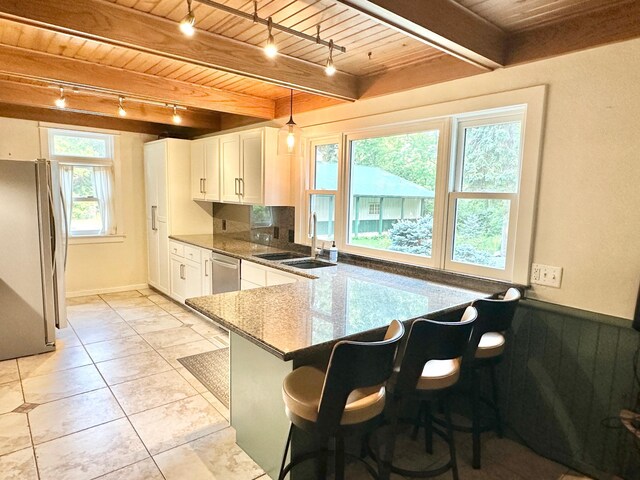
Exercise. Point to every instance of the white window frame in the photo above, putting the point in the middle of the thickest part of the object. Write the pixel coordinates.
(48, 130)
(437, 234)
(507, 115)
(531, 99)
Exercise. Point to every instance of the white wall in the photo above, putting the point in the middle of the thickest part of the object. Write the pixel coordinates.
(589, 197)
(97, 266)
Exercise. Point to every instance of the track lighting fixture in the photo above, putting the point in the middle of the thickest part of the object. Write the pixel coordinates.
(121, 111)
(177, 119)
(270, 48)
(330, 68)
(61, 102)
(188, 22)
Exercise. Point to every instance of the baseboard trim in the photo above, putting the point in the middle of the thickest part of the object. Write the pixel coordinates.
(124, 288)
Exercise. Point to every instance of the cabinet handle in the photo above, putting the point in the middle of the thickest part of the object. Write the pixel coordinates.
(201, 186)
(154, 210)
(182, 275)
(204, 185)
(236, 186)
(206, 270)
(241, 182)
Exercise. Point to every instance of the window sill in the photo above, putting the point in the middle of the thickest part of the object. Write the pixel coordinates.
(85, 239)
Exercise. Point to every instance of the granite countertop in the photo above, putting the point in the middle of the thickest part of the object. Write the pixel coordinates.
(334, 303)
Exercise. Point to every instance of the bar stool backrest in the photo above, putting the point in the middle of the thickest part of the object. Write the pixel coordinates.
(494, 315)
(355, 365)
(432, 340)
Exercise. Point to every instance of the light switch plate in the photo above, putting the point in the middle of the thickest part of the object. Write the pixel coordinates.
(546, 275)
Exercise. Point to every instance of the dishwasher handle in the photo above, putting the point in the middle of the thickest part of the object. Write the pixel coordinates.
(233, 266)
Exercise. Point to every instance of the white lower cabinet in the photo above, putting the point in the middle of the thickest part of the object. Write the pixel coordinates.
(254, 275)
(186, 271)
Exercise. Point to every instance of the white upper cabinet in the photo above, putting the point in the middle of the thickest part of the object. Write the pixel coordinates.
(251, 170)
(205, 169)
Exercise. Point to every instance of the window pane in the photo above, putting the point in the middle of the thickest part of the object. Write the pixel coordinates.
(491, 158)
(68, 145)
(86, 218)
(324, 207)
(392, 192)
(480, 235)
(326, 167)
(83, 182)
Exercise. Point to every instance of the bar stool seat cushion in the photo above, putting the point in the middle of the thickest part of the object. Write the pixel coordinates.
(302, 390)
(439, 374)
(491, 345)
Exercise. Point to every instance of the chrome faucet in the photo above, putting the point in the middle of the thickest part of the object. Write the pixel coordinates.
(313, 227)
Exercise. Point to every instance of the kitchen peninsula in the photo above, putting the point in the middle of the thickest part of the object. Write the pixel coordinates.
(276, 329)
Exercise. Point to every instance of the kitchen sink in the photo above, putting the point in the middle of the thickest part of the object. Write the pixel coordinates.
(280, 256)
(308, 263)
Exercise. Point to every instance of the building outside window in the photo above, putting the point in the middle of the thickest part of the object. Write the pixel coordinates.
(87, 175)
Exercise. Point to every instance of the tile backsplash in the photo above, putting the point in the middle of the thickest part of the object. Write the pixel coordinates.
(273, 226)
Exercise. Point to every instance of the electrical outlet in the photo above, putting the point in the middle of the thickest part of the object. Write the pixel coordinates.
(546, 275)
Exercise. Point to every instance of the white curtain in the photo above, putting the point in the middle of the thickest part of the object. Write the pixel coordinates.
(66, 182)
(104, 192)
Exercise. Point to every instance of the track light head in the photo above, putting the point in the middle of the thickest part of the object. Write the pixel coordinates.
(61, 102)
(270, 48)
(121, 111)
(188, 22)
(177, 119)
(330, 68)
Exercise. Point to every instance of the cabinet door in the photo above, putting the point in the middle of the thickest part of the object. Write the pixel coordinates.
(277, 278)
(178, 282)
(207, 286)
(163, 257)
(246, 285)
(252, 168)
(230, 168)
(156, 159)
(212, 170)
(197, 170)
(152, 255)
(193, 280)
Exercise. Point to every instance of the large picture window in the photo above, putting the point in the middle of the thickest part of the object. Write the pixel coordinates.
(454, 192)
(86, 163)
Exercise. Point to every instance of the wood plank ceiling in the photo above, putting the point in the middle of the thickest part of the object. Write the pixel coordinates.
(132, 48)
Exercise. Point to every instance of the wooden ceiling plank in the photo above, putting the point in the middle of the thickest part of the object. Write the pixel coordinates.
(43, 97)
(443, 24)
(303, 102)
(112, 24)
(614, 24)
(18, 61)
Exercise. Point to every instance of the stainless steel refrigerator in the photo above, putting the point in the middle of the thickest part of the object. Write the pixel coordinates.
(33, 251)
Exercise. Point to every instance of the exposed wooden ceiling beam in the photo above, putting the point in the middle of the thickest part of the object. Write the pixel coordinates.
(436, 70)
(116, 25)
(43, 97)
(442, 24)
(609, 25)
(303, 102)
(82, 119)
(44, 66)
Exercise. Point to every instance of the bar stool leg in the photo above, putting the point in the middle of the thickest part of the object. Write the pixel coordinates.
(496, 400)
(450, 440)
(339, 458)
(286, 450)
(390, 446)
(416, 425)
(475, 421)
(321, 464)
(428, 428)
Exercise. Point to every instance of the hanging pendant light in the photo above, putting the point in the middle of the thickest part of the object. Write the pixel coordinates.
(292, 130)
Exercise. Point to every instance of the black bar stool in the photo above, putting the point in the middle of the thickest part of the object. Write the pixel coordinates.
(486, 350)
(429, 368)
(349, 399)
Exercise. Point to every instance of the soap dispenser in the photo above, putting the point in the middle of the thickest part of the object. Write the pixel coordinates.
(333, 253)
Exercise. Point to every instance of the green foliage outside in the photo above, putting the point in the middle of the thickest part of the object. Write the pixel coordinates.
(83, 187)
(70, 146)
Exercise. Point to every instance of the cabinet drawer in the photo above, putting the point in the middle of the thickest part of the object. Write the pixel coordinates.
(245, 285)
(176, 248)
(192, 253)
(254, 273)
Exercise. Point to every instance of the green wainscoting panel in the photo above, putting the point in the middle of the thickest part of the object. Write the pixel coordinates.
(257, 409)
(566, 375)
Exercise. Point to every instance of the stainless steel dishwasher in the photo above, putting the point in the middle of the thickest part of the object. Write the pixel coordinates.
(225, 273)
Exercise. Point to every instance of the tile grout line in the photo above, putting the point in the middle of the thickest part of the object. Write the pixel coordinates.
(24, 400)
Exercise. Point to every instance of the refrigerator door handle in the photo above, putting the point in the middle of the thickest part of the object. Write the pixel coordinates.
(54, 226)
(66, 228)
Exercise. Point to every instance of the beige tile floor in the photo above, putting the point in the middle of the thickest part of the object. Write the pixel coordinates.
(112, 402)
